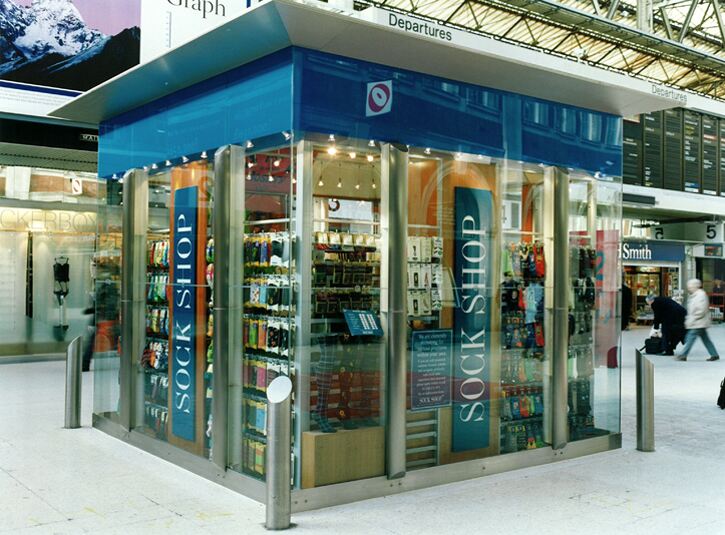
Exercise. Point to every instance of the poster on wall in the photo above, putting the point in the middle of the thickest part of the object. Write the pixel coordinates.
(51, 50)
(430, 369)
(472, 321)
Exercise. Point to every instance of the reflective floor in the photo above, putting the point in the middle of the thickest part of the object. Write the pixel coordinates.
(82, 481)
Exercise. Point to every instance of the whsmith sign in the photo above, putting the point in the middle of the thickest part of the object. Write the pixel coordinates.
(652, 252)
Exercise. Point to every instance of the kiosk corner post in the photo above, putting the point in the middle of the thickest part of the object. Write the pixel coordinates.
(279, 454)
(645, 403)
(73, 383)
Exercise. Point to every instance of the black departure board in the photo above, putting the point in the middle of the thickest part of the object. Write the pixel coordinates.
(709, 155)
(692, 168)
(652, 127)
(632, 153)
(672, 171)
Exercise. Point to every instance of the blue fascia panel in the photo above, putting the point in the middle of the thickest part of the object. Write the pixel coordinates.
(427, 111)
(246, 103)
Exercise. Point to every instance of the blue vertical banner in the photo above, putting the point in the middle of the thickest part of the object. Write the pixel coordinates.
(472, 321)
(183, 337)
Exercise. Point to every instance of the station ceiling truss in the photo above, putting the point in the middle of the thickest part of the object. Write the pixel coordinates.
(679, 43)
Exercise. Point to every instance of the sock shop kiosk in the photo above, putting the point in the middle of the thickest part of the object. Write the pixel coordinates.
(432, 262)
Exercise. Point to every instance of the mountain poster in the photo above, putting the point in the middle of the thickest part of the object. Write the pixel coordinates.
(68, 44)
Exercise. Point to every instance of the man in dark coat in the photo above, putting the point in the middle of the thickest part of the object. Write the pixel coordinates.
(626, 305)
(669, 315)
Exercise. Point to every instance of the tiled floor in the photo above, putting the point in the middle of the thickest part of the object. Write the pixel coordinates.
(59, 481)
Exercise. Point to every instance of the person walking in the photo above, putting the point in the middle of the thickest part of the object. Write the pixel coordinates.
(670, 317)
(697, 320)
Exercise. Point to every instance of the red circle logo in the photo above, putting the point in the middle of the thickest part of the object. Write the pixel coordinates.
(378, 97)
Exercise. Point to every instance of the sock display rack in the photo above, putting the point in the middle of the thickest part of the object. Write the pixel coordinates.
(425, 302)
(268, 333)
(522, 337)
(155, 358)
(580, 362)
(268, 330)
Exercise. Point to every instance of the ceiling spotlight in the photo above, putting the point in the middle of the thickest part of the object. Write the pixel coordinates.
(203, 155)
(250, 164)
(320, 183)
(154, 166)
(184, 159)
(250, 145)
(370, 157)
(357, 186)
(339, 182)
(277, 162)
(168, 163)
(332, 150)
(287, 136)
(114, 177)
(427, 150)
(374, 185)
(331, 139)
(249, 177)
(371, 143)
(271, 178)
(352, 155)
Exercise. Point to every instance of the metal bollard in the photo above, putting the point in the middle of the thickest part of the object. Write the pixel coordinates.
(279, 494)
(73, 382)
(645, 403)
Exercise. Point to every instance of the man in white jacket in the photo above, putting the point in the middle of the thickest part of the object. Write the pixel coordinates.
(697, 320)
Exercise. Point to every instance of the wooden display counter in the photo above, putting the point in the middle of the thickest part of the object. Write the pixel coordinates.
(329, 458)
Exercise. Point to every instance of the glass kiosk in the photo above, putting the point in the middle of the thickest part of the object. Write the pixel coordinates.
(440, 282)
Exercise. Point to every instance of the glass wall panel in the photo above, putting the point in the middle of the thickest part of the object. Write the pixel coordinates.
(107, 301)
(341, 345)
(268, 332)
(594, 311)
(477, 277)
(176, 360)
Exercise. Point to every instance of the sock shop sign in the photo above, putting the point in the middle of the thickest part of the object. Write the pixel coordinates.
(183, 341)
(473, 270)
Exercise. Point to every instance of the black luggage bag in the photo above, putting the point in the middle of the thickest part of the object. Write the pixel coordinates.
(653, 345)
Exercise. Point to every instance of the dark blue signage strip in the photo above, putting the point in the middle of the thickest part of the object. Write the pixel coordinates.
(652, 251)
(183, 338)
(363, 323)
(431, 359)
(472, 322)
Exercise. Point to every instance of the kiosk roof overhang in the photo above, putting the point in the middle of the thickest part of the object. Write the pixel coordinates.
(279, 24)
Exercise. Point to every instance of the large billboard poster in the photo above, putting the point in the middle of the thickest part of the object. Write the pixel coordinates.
(50, 50)
(170, 23)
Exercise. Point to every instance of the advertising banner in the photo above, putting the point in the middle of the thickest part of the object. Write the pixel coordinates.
(472, 322)
(183, 337)
(51, 50)
(430, 368)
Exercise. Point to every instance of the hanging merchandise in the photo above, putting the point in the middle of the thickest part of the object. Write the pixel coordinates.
(522, 326)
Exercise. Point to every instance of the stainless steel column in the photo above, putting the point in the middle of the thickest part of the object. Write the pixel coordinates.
(227, 295)
(395, 162)
(302, 283)
(645, 403)
(560, 423)
(73, 383)
(278, 462)
(133, 296)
